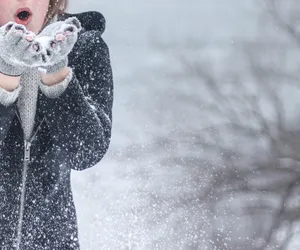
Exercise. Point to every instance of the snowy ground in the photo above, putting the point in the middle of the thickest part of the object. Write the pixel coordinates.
(137, 197)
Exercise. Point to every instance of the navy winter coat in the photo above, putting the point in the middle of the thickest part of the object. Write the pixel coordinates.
(72, 131)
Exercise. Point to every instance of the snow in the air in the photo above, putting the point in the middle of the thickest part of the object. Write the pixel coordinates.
(155, 187)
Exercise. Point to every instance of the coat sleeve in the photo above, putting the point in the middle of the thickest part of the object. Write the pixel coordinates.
(80, 119)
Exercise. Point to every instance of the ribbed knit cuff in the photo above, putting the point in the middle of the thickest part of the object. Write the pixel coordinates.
(57, 67)
(7, 98)
(7, 69)
(56, 90)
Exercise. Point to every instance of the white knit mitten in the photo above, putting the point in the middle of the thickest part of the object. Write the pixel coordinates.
(17, 50)
(56, 42)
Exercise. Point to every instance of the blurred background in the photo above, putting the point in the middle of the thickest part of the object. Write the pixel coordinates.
(205, 143)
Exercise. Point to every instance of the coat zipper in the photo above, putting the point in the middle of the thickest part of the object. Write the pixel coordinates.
(27, 145)
(22, 205)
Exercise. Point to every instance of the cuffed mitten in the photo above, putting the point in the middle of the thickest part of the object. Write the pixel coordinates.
(9, 97)
(16, 51)
(56, 90)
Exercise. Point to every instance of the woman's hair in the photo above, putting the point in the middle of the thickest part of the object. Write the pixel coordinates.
(55, 7)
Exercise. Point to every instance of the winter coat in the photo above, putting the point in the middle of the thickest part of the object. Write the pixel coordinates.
(71, 131)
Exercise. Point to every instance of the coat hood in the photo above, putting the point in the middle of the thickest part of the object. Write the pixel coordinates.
(91, 20)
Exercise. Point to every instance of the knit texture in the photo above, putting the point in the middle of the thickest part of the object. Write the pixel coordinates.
(57, 67)
(27, 100)
(10, 70)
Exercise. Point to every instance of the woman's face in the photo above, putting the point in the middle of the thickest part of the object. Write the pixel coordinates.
(36, 8)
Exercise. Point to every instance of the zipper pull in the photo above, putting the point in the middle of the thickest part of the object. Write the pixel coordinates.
(27, 151)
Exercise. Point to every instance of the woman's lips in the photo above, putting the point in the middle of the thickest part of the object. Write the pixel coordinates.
(23, 16)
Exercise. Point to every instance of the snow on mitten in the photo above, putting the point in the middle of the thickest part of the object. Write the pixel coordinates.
(56, 42)
(17, 49)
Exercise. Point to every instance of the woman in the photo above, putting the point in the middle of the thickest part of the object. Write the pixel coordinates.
(56, 97)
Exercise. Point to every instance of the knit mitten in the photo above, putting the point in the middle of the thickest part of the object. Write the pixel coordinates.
(17, 49)
(56, 42)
